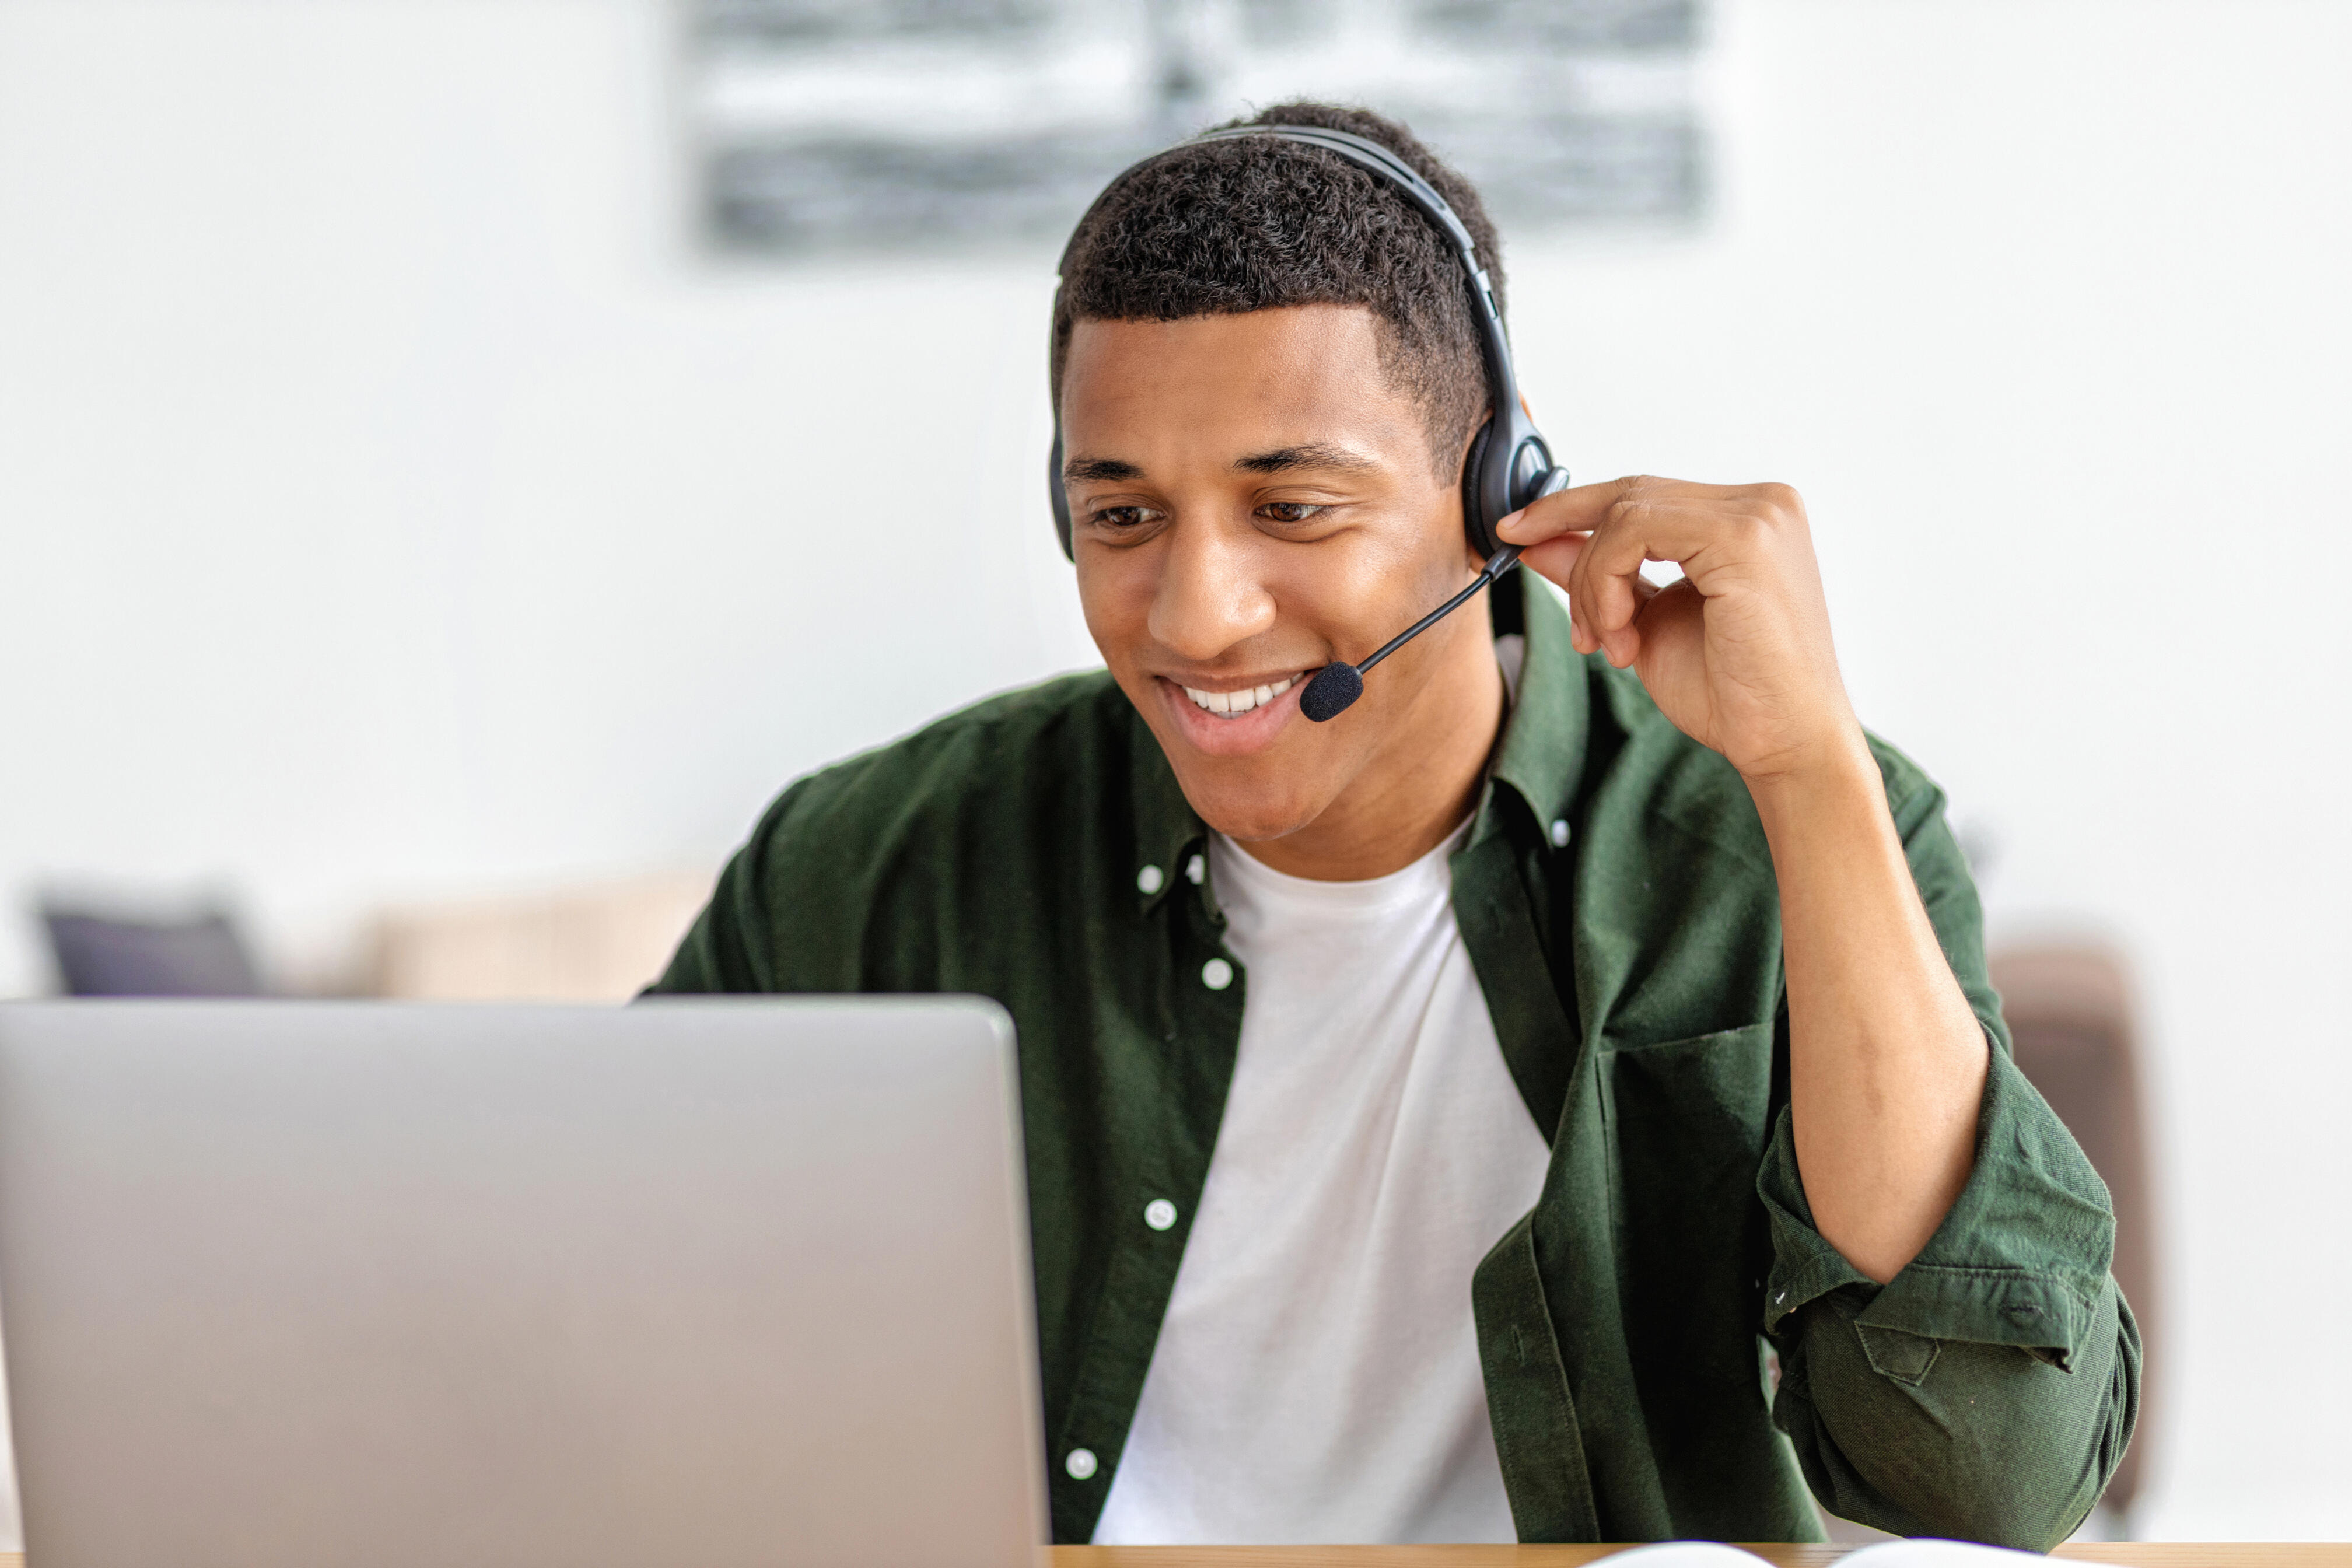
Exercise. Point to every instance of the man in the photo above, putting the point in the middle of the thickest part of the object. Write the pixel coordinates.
(1434, 1114)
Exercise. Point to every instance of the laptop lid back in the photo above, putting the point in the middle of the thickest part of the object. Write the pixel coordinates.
(696, 1282)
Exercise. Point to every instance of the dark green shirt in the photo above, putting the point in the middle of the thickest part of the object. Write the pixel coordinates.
(1616, 898)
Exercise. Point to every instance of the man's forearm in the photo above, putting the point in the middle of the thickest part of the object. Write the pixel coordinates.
(1887, 1063)
(1887, 1060)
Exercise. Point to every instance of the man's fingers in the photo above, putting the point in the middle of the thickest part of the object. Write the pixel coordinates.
(1621, 643)
(1578, 510)
(1700, 533)
(1622, 523)
(1594, 540)
(1583, 507)
(1554, 557)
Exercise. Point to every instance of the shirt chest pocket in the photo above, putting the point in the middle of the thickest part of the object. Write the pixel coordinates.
(1687, 1121)
(1703, 1099)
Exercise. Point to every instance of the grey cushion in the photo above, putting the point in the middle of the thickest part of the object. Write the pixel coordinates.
(107, 955)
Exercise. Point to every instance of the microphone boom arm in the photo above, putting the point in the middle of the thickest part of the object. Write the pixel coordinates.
(1497, 564)
(1337, 684)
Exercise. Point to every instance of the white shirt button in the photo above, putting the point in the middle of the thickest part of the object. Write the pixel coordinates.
(1196, 870)
(1080, 1464)
(1160, 1213)
(1149, 880)
(1216, 975)
(1559, 833)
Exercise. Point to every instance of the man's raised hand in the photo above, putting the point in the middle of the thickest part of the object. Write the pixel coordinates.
(1737, 654)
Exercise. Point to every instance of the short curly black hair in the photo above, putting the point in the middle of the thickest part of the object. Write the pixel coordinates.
(1253, 224)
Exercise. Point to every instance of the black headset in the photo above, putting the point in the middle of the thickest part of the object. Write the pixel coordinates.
(1510, 463)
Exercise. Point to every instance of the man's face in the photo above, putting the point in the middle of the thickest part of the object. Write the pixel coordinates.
(1250, 500)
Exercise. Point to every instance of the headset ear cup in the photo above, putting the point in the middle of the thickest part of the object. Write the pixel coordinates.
(1059, 497)
(1477, 526)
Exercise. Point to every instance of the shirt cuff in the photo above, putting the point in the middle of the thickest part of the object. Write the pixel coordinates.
(2022, 1259)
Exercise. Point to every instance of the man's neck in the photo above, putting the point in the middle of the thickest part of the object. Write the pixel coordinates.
(1422, 786)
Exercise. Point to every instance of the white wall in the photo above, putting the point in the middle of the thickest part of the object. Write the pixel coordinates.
(389, 503)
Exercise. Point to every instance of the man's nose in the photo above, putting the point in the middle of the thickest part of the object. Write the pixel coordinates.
(1211, 593)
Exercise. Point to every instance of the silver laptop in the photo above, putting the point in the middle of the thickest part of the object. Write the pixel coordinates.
(306, 1285)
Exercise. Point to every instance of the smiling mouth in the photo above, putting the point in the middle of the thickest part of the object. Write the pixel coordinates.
(1234, 704)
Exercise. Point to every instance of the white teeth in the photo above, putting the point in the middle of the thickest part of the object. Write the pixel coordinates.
(1233, 704)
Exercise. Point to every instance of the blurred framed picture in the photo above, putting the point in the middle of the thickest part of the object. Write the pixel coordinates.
(866, 125)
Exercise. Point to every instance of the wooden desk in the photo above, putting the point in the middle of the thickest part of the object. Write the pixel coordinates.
(2125, 1555)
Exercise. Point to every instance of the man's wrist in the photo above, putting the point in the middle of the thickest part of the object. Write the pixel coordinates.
(1836, 775)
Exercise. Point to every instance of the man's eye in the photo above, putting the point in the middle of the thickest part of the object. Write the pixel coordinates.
(1122, 516)
(1288, 511)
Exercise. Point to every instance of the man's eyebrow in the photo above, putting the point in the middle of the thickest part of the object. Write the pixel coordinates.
(1313, 455)
(1080, 469)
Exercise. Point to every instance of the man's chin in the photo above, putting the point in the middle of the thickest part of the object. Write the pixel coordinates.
(1243, 775)
(1253, 827)
(1251, 804)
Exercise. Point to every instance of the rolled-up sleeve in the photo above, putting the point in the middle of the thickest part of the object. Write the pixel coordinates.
(1989, 1390)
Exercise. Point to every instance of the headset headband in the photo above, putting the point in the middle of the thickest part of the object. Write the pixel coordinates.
(1371, 155)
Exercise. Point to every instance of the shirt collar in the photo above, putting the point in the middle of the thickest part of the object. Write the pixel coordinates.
(1542, 757)
(1542, 753)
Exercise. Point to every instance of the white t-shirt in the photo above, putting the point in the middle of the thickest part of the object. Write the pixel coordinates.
(1317, 1376)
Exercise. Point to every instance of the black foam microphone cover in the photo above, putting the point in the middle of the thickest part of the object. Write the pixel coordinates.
(1327, 696)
